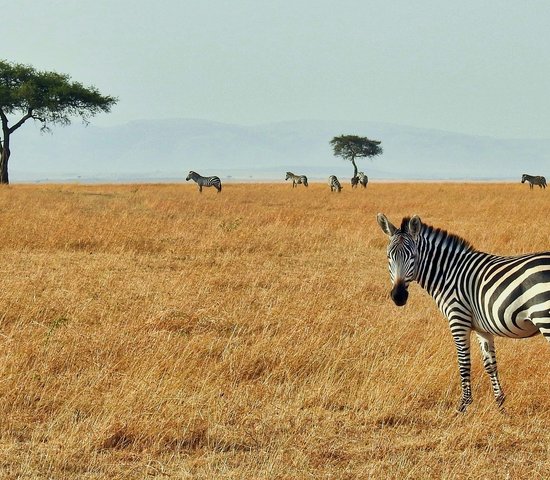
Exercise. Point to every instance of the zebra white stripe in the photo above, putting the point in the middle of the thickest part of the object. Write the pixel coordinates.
(296, 179)
(205, 181)
(476, 291)
(534, 180)
(334, 184)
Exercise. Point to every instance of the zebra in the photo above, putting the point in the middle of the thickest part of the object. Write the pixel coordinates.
(296, 179)
(354, 181)
(363, 179)
(334, 184)
(534, 180)
(205, 181)
(488, 294)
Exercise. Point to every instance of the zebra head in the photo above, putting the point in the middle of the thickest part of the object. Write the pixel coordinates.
(190, 175)
(523, 178)
(402, 254)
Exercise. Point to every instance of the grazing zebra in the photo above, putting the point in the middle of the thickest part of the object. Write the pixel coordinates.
(296, 179)
(534, 180)
(363, 179)
(354, 182)
(334, 184)
(205, 181)
(476, 291)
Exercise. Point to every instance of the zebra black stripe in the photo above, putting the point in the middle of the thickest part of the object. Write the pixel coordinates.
(487, 294)
(205, 181)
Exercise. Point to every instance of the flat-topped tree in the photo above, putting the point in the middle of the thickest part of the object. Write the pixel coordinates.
(47, 97)
(350, 147)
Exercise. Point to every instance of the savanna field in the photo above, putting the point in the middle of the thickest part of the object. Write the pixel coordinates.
(149, 331)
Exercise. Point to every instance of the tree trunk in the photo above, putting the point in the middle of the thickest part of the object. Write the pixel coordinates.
(4, 157)
(354, 168)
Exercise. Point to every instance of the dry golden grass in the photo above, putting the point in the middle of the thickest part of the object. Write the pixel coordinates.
(149, 331)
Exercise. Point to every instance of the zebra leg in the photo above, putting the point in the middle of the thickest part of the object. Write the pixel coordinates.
(200, 188)
(462, 343)
(487, 345)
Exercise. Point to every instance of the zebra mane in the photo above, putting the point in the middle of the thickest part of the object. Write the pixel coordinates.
(430, 231)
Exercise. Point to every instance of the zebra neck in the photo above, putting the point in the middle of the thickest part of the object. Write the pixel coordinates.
(440, 256)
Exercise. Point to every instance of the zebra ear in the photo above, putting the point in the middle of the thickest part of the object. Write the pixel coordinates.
(387, 227)
(414, 225)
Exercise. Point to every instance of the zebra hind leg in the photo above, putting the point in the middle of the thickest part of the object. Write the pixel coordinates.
(487, 346)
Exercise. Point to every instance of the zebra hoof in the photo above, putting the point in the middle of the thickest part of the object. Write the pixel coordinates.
(463, 405)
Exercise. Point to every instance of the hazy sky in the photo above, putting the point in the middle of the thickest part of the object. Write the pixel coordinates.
(479, 67)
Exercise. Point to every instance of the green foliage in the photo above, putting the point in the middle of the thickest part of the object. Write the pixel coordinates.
(350, 147)
(48, 97)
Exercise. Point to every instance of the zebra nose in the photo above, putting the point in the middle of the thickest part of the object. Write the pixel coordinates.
(399, 293)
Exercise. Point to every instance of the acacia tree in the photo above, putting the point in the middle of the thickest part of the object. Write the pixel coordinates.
(49, 98)
(350, 147)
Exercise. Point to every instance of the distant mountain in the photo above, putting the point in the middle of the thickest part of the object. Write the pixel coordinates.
(151, 150)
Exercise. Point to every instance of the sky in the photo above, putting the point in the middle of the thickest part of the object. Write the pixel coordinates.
(471, 67)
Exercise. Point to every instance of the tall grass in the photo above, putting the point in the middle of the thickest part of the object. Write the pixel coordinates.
(149, 331)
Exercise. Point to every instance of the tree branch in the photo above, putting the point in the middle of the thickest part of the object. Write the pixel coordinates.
(22, 121)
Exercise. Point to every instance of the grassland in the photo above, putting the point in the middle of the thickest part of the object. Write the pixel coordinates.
(147, 331)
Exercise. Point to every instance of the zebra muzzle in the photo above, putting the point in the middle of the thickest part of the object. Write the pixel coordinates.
(399, 293)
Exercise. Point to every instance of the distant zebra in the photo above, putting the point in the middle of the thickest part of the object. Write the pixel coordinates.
(487, 294)
(363, 179)
(205, 181)
(334, 184)
(534, 180)
(354, 182)
(296, 179)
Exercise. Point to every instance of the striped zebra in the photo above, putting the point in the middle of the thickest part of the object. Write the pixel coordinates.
(205, 181)
(363, 179)
(296, 179)
(476, 291)
(534, 180)
(334, 184)
(354, 182)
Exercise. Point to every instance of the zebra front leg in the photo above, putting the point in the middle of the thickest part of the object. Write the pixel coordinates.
(487, 345)
(462, 343)
(200, 188)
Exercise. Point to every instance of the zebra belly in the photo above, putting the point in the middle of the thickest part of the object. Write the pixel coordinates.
(521, 327)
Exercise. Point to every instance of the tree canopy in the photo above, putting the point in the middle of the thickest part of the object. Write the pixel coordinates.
(350, 147)
(49, 98)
